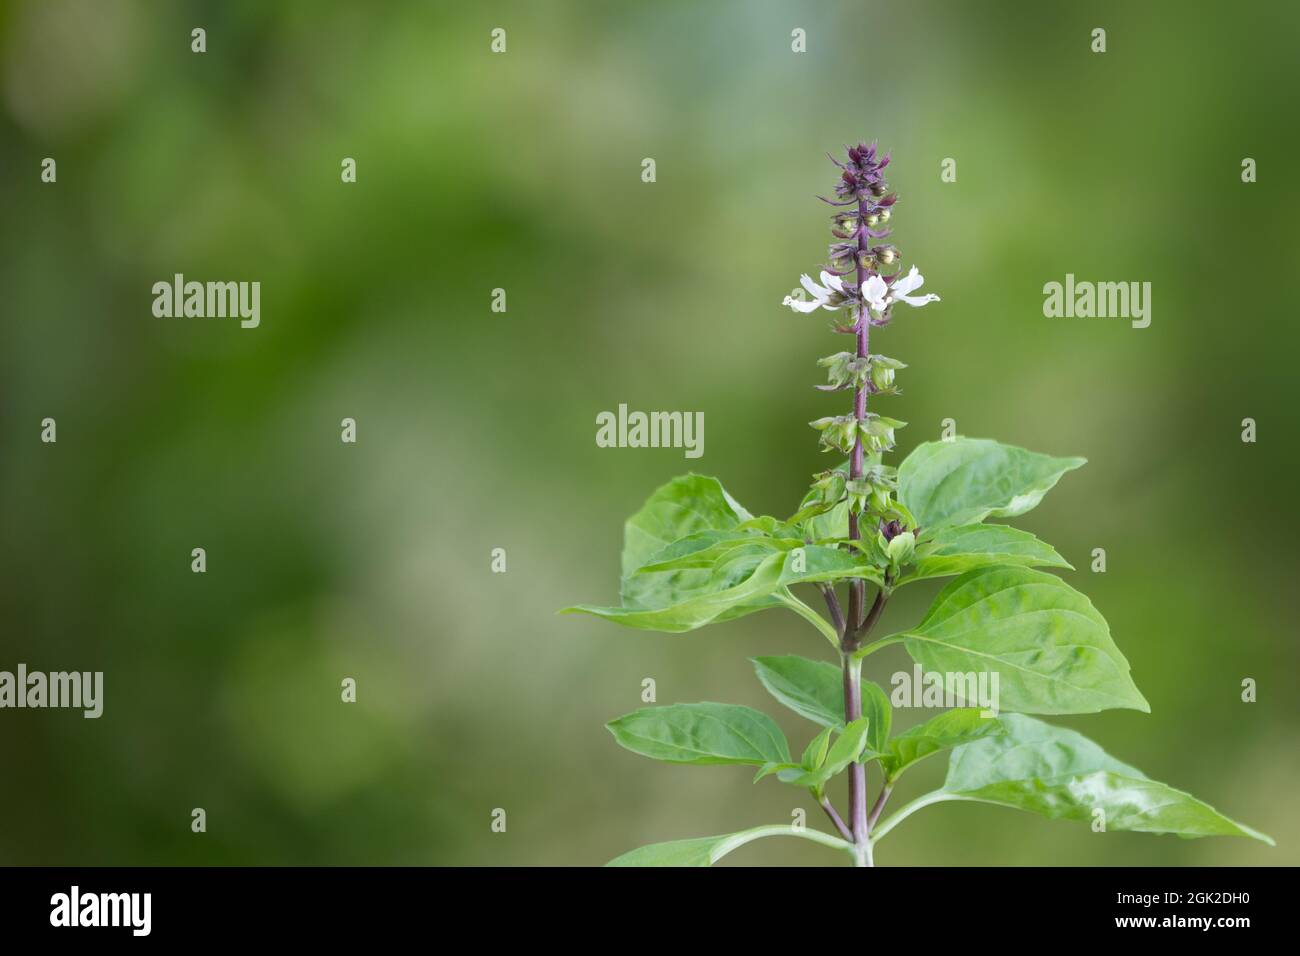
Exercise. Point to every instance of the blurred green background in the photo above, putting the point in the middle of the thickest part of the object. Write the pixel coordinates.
(476, 429)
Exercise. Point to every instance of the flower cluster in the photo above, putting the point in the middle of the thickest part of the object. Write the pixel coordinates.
(863, 278)
(863, 190)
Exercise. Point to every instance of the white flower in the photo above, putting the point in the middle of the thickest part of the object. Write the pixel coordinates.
(829, 295)
(880, 296)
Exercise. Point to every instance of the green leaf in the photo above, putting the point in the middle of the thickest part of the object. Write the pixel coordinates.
(847, 748)
(705, 851)
(693, 556)
(815, 690)
(704, 549)
(696, 852)
(876, 707)
(969, 479)
(825, 564)
(772, 527)
(812, 689)
(689, 514)
(830, 524)
(702, 734)
(821, 523)
(952, 728)
(684, 506)
(1061, 774)
(743, 579)
(959, 549)
(703, 564)
(1051, 650)
(814, 755)
(706, 604)
(772, 767)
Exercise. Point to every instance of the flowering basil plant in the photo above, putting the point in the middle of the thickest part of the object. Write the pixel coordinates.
(693, 556)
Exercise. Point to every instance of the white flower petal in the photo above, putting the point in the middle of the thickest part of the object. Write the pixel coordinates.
(873, 292)
(832, 282)
(909, 283)
(813, 288)
(800, 305)
(917, 301)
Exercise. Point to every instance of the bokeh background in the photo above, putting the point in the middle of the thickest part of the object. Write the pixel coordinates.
(476, 429)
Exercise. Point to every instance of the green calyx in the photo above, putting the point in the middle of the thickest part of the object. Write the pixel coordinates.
(847, 370)
(841, 432)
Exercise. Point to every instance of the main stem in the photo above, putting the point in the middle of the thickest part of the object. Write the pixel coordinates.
(857, 587)
(857, 772)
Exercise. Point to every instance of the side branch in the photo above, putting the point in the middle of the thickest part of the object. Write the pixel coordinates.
(833, 605)
(835, 817)
(885, 790)
(852, 640)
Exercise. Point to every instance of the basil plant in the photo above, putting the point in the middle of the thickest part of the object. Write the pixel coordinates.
(694, 556)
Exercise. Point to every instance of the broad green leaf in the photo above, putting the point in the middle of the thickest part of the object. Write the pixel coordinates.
(969, 479)
(746, 578)
(959, 549)
(684, 506)
(1062, 775)
(1051, 650)
(828, 525)
(705, 851)
(952, 728)
(704, 549)
(689, 514)
(846, 749)
(696, 566)
(702, 734)
(812, 689)
(827, 564)
(815, 690)
(759, 577)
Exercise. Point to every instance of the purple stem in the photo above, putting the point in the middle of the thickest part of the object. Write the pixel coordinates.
(857, 587)
(833, 605)
(879, 808)
(873, 615)
(857, 772)
(835, 818)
